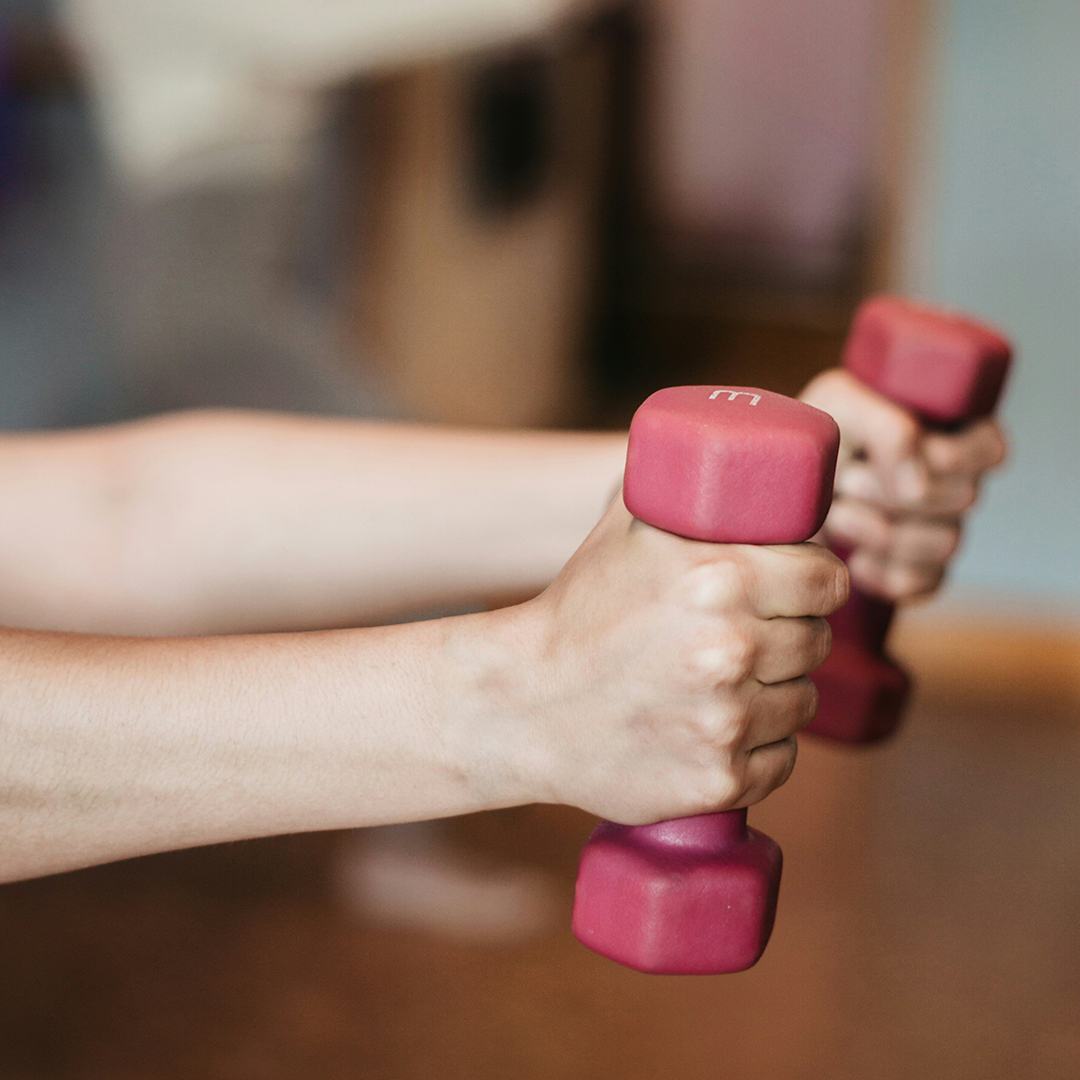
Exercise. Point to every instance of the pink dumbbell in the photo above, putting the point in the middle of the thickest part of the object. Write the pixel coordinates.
(728, 465)
(948, 371)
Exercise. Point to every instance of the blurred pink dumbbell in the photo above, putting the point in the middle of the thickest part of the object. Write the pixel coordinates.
(948, 371)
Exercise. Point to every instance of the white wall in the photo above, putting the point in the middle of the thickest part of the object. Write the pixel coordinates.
(996, 230)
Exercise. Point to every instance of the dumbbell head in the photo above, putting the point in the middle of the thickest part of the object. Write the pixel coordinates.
(730, 465)
(945, 368)
(694, 896)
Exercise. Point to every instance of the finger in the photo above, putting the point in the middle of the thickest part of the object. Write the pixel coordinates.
(894, 581)
(972, 451)
(767, 768)
(790, 648)
(930, 495)
(908, 539)
(925, 544)
(870, 425)
(792, 580)
(778, 711)
(905, 484)
(858, 524)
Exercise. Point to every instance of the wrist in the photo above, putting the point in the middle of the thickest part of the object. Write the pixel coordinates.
(490, 670)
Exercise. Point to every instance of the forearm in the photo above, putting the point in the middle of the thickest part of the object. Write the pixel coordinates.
(656, 677)
(232, 522)
(118, 747)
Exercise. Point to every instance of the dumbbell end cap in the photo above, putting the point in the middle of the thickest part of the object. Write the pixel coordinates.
(945, 367)
(730, 464)
(695, 896)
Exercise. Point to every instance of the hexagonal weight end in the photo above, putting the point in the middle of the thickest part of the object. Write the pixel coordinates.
(861, 696)
(946, 368)
(695, 896)
(731, 465)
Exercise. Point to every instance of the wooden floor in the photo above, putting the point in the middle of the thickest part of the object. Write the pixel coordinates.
(929, 930)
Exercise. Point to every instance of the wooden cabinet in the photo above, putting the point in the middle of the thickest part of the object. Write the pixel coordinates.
(478, 252)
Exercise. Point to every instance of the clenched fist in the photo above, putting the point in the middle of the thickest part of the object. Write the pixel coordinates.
(659, 677)
(901, 491)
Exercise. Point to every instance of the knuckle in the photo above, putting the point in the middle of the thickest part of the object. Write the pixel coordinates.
(721, 652)
(716, 729)
(727, 661)
(718, 583)
(712, 668)
(719, 788)
(705, 790)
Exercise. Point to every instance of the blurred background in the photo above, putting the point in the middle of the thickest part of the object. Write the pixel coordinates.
(533, 213)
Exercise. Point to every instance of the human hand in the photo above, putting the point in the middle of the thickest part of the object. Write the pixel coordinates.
(667, 677)
(901, 491)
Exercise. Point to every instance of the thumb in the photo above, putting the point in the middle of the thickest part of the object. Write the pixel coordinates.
(880, 442)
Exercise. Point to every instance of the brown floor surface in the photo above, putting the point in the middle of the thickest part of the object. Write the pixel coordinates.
(928, 930)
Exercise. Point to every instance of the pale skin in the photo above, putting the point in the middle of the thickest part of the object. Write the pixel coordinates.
(655, 677)
(901, 491)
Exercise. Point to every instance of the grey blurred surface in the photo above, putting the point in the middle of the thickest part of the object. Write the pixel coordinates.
(55, 363)
(116, 304)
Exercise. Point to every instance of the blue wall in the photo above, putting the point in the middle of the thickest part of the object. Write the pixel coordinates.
(1002, 238)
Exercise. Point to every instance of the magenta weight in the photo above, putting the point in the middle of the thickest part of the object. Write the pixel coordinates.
(695, 896)
(724, 464)
(948, 371)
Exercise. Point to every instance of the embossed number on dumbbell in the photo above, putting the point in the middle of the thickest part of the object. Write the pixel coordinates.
(733, 394)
